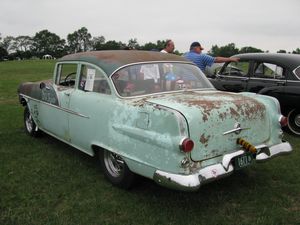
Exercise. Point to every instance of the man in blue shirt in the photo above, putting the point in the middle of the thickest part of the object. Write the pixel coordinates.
(202, 60)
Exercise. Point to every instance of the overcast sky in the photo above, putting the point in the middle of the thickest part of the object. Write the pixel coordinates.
(266, 24)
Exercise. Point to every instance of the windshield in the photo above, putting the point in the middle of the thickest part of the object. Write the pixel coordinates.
(141, 79)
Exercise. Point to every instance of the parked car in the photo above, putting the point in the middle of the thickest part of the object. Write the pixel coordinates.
(276, 75)
(152, 114)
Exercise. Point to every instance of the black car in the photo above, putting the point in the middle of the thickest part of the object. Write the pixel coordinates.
(276, 75)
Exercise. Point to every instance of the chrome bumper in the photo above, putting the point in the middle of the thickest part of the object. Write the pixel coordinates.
(193, 181)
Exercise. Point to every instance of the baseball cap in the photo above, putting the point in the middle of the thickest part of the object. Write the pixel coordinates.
(196, 44)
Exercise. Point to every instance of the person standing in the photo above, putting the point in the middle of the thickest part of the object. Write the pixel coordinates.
(202, 60)
(169, 47)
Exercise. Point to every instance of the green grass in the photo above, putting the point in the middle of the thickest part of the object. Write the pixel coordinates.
(43, 181)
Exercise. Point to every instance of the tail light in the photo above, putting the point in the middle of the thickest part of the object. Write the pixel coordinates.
(187, 145)
(283, 121)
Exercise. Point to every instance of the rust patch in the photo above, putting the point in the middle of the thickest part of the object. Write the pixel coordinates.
(233, 112)
(222, 116)
(204, 140)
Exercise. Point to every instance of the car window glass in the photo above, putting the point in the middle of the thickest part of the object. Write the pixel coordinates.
(236, 69)
(66, 75)
(93, 80)
(297, 72)
(158, 77)
(268, 70)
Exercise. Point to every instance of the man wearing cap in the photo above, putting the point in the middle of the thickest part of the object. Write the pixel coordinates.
(202, 60)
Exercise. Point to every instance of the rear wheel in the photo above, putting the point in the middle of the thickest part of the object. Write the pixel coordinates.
(294, 121)
(116, 170)
(30, 126)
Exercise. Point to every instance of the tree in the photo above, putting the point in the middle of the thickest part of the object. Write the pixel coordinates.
(23, 43)
(79, 40)
(3, 53)
(45, 42)
(249, 49)
(133, 44)
(150, 46)
(98, 42)
(224, 51)
(297, 51)
(113, 45)
(7, 43)
(281, 51)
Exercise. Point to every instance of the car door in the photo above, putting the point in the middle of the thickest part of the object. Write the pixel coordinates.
(53, 118)
(266, 75)
(92, 102)
(232, 77)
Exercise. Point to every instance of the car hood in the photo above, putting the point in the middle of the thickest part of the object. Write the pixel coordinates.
(211, 115)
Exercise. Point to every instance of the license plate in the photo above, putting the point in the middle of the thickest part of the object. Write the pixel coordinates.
(243, 160)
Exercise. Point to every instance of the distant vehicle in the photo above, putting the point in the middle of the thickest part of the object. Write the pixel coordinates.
(276, 75)
(152, 114)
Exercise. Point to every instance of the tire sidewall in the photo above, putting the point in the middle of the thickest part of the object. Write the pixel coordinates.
(124, 180)
(291, 121)
(33, 132)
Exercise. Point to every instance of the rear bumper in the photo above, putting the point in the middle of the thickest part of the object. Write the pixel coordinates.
(193, 181)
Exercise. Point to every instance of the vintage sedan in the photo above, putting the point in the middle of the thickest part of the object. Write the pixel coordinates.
(152, 114)
(276, 75)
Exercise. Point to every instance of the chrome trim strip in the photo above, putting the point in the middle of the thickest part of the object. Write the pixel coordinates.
(257, 78)
(149, 62)
(55, 106)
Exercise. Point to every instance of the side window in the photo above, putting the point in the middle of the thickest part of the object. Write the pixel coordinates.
(66, 74)
(94, 80)
(297, 72)
(236, 69)
(268, 70)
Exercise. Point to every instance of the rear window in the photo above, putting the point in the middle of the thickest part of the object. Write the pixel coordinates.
(149, 78)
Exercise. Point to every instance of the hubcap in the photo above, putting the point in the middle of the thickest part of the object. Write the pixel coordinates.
(29, 123)
(297, 120)
(114, 163)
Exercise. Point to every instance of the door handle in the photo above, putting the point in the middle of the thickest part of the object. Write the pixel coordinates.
(67, 94)
(280, 82)
(244, 79)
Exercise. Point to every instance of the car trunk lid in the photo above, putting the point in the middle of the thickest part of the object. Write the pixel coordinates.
(212, 117)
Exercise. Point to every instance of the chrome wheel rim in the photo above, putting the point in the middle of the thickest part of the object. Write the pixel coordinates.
(294, 121)
(114, 164)
(29, 123)
(297, 120)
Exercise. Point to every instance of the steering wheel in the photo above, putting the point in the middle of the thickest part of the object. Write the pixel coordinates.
(68, 80)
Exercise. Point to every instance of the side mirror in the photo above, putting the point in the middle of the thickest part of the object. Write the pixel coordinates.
(42, 85)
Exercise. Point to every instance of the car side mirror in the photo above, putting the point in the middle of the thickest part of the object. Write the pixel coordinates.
(42, 85)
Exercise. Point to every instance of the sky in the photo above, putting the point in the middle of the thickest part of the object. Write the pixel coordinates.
(266, 24)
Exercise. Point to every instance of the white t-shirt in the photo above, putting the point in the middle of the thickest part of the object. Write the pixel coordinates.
(150, 71)
(163, 51)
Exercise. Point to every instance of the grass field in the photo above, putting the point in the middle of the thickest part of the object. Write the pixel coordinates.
(43, 181)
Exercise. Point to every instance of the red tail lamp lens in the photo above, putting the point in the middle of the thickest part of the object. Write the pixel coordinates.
(187, 145)
(283, 121)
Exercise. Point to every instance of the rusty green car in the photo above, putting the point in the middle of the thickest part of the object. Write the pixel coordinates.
(154, 115)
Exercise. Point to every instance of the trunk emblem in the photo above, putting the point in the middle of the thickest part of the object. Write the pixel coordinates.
(237, 129)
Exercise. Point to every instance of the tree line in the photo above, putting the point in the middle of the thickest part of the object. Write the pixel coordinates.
(45, 42)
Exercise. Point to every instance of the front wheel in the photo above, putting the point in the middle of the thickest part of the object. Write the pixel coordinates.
(294, 121)
(116, 170)
(30, 126)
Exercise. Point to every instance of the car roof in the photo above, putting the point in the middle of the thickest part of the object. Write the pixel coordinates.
(290, 60)
(110, 61)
